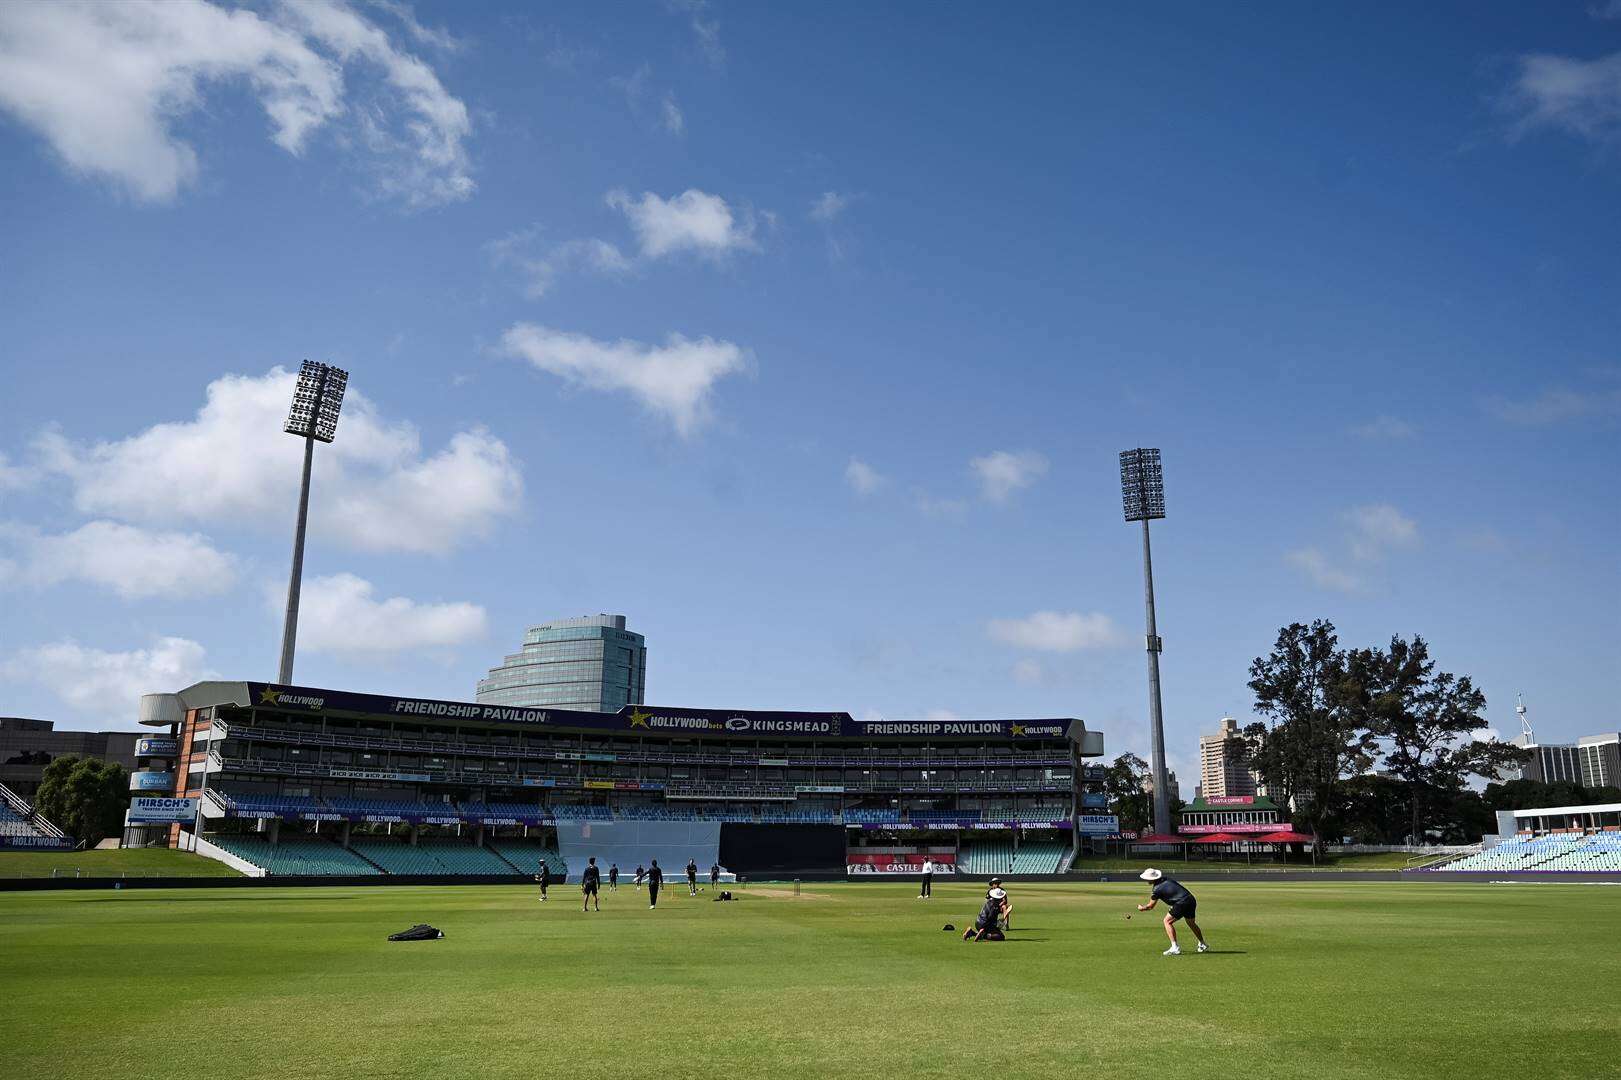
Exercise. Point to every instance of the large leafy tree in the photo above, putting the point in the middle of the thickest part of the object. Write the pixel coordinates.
(1311, 742)
(1426, 723)
(85, 797)
(1123, 784)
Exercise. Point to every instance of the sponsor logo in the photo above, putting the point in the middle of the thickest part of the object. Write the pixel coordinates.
(282, 699)
(1038, 731)
(148, 809)
(156, 747)
(933, 727)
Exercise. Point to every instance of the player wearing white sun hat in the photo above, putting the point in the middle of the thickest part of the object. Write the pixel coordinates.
(1181, 903)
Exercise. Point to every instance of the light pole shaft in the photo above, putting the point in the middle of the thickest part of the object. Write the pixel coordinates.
(1156, 719)
(289, 630)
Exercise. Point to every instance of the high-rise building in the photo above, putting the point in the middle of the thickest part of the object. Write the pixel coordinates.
(1171, 786)
(1222, 770)
(1600, 758)
(1549, 763)
(592, 664)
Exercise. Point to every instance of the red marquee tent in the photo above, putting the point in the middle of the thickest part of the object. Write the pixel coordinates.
(1160, 838)
(1287, 837)
(1220, 838)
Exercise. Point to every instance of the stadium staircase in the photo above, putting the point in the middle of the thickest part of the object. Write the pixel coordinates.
(19, 818)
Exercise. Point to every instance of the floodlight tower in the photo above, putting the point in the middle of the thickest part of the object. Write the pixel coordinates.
(1142, 488)
(314, 416)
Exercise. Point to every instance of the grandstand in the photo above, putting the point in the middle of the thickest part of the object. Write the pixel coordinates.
(1556, 839)
(300, 780)
(21, 826)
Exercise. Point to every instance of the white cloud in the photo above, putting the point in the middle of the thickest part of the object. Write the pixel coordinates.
(108, 85)
(541, 271)
(827, 206)
(1057, 631)
(1029, 672)
(670, 113)
(14, 477)
(1556, 405)
(433, 36)
(705, 30)
(693, 220)
(340, 615)
(1322, 572)
(1385, 429)
(938, 507)
(675, 380)
(1003, 472)
(863, 478)
(1378, 527)
(374, 489)
(131, 561)
(1563, 93)
(110, 683)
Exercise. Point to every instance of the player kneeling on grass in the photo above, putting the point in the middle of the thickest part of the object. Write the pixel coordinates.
(988, 925)
(1181, 903)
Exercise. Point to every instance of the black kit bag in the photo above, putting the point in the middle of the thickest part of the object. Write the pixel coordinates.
(419, 932)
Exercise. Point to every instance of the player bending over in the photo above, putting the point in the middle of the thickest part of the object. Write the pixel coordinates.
(590, 884)
(1007, 903)
(987, 926)
(1181, 903)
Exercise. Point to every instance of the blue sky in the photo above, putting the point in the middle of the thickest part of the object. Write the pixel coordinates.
(807, 337)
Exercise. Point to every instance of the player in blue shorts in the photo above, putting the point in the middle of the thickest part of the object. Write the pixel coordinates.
(1181, 903)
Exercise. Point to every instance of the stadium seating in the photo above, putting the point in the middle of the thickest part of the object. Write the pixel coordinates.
(19, 818)
(269, 804)
(943, 817)
(305, 855)
(1038, 857)
(872, 817)
(1563, 852)
(581, 812)
(390, 807)
(987, 857)
(462, 857)
(526, 855)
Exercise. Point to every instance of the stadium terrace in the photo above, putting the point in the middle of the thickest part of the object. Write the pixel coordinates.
(291, 780)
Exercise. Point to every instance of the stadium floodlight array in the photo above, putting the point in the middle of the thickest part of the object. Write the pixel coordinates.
(1142, 493)
(317, 400)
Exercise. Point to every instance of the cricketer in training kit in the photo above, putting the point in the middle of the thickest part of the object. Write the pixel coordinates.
(1181, 903)
(655, 878)
(544, 877)
(692, 877)
(590, 883)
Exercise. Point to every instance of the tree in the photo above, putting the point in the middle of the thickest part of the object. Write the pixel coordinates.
(85, 797)
(1128, 800)
(1425, 720)
(1532, 794)
(1313, 742)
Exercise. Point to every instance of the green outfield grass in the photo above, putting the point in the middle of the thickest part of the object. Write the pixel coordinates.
(1318, 979)
(131, 862)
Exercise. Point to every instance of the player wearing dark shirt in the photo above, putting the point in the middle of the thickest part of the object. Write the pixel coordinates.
(544, 877)
(1182, 906)
(655, 878)
(590, 883)
(714, 875)
(640, 874)
(613, 876)
(692, 877)
(987, 926)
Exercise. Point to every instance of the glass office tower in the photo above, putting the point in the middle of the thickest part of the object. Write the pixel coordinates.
(591, 663)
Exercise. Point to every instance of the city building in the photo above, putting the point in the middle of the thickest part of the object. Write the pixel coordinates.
(1549, 763)
(27, 746)
(1222, 769)
(305, 781)
(592, 664)
(1600, 759)
(1171, 785)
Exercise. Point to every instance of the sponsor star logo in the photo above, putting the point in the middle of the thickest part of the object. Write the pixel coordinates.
(1018, 729)
(639, 718)
(267, 696)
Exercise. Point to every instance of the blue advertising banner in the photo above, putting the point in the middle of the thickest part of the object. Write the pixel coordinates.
(36, 843)
(155, 810)
(651, 719)
(157, 747)
(151, 781)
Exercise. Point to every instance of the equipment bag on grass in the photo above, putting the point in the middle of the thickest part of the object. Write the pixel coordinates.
(419, 932)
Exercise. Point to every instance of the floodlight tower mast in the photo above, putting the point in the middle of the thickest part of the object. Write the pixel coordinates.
(314, 415)
(1142, 490)
(1527, 736)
